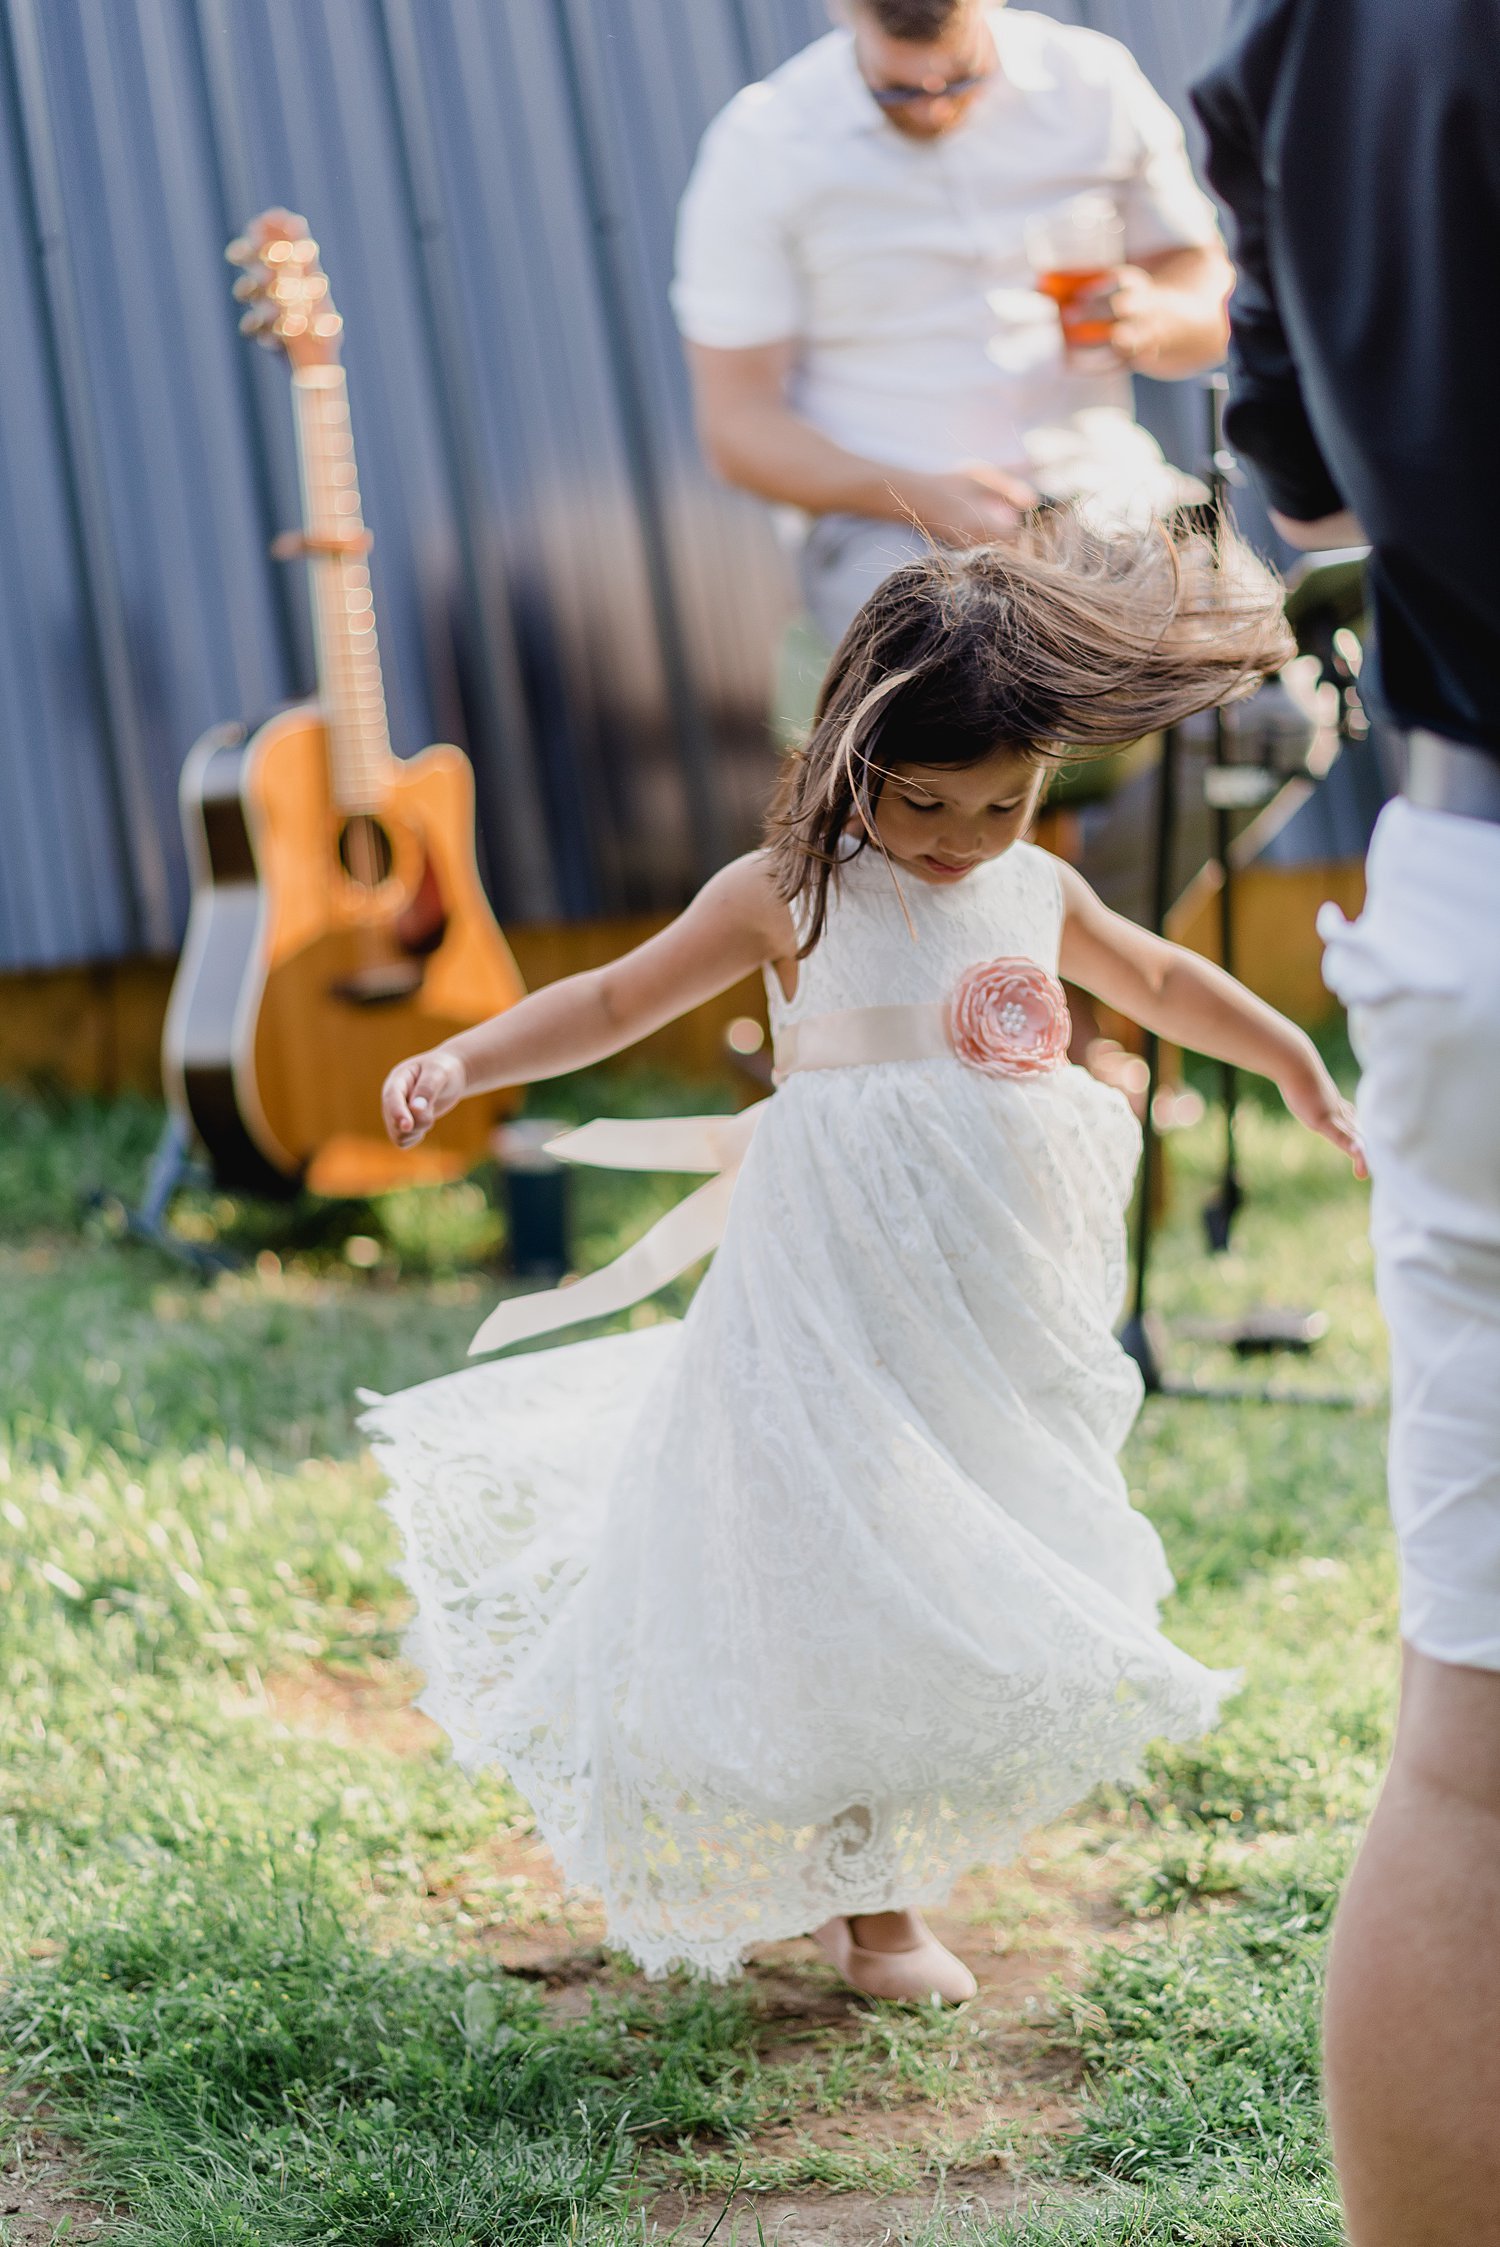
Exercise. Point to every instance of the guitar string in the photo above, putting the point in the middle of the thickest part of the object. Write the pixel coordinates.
(348, 668)
(364, 714)
(351, 648)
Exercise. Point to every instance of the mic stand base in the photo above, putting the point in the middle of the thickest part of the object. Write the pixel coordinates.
(1135, 1340)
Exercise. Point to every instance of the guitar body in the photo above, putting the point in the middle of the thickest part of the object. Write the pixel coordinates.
(337, 923)
(322, 948)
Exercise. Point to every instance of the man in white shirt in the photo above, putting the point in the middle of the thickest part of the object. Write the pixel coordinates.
(864, 338)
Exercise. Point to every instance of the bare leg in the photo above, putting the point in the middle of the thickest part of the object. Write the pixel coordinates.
(1413, 2022)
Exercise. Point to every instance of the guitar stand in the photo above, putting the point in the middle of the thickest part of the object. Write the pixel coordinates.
(172, 1167)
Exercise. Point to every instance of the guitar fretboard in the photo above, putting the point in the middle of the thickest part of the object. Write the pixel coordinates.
(350, 686)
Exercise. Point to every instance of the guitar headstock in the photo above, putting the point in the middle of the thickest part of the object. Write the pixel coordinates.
(285, 290)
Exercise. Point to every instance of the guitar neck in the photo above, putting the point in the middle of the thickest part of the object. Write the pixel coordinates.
(350, 686)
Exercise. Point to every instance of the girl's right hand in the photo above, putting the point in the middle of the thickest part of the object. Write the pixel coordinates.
(418, 1091)
(1315, 1100)
(969, 506)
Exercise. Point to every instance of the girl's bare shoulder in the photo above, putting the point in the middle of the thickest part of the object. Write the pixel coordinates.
(1078, 896)
(745, 890)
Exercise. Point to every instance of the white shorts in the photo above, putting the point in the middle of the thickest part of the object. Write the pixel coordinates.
(1420, 974)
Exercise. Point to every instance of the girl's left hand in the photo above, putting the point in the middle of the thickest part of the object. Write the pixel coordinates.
(1316, 1101)
(418, 1092)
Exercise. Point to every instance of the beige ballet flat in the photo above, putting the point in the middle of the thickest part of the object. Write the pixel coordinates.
(916, 1976)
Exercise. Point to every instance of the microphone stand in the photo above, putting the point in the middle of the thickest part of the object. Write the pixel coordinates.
(1228, 787)
(1223, 471)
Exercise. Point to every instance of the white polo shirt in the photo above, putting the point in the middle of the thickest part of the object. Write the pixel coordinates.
(899, 266)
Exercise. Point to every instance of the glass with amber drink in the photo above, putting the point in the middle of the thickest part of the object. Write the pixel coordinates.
(1076, 252)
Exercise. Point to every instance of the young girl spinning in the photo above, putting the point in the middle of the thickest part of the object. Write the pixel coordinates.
(785, 1615)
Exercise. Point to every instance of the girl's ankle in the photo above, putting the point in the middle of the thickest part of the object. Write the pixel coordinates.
(886, 1931)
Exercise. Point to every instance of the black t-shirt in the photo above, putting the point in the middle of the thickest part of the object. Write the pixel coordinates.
(1357, 144)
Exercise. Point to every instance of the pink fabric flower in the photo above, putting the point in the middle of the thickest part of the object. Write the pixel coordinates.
(1009, 1018)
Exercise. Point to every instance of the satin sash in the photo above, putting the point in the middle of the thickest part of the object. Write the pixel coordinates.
(851, 1038)
(676, 1241)
(856, 1036)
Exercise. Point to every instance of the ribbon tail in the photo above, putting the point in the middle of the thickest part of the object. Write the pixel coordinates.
(713, 1143)
(676, 1241)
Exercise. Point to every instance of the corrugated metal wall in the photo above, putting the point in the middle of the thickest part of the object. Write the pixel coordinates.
(560, 586)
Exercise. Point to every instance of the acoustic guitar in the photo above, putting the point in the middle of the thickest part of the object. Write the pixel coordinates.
(337, 919)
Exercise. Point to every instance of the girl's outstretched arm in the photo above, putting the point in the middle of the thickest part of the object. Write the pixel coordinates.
(735, 924)
(1195, 1004)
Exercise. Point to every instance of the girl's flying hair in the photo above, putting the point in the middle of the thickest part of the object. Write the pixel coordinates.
(1061, 641)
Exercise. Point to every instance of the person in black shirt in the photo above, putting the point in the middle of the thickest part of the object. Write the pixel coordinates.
(1357, 144)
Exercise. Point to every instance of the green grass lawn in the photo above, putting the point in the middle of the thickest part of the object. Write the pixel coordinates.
(252, 1970)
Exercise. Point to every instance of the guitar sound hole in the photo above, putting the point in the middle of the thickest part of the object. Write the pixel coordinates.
(365, 851)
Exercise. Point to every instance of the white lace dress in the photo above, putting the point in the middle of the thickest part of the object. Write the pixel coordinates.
(832, 1590)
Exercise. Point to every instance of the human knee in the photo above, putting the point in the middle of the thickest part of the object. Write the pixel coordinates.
(1448, 1738)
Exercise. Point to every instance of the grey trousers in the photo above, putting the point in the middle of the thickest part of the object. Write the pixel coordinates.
(842, 561)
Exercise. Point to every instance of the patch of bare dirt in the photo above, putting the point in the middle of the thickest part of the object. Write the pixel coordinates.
(1021, 1929)
(822, 2219)
(357, 1709)
(557, 1938)
(38, 2169)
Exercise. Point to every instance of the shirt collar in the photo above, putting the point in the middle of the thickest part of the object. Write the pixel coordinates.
(1022, 70)
(1018, 43)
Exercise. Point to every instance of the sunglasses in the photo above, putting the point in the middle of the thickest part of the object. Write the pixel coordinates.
(900, 97)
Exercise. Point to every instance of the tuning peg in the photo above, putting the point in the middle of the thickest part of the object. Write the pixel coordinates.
(245, 287)
(305, 250)
(240, 251)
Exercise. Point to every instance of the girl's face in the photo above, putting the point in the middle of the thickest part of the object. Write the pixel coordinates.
(940, 825)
